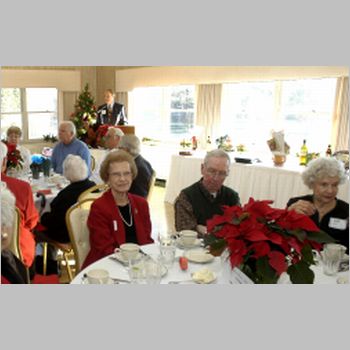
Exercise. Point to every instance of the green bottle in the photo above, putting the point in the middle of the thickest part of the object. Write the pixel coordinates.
(303, 154)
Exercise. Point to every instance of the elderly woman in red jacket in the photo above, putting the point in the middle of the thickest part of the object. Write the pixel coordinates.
(117, 216)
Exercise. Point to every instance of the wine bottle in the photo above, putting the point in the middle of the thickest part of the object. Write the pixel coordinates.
(303, 154)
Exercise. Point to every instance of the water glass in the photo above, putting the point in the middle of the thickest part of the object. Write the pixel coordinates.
(153, 271)
(331, 257)
(167, 255)
(137, 270)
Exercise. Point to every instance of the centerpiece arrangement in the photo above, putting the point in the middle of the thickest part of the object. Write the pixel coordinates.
(265, 242)
(39, 164)
(14, 158)
(224, 143)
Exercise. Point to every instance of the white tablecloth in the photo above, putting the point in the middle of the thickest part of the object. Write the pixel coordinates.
(260, 181)
(118, 270)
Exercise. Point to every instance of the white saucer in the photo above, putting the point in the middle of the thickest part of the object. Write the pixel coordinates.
(118, 256)
(86, 281)
(211, 280)
(180, 245)
(199, 256)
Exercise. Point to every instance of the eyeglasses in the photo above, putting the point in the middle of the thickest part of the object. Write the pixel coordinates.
(216, 173)
(120, 175)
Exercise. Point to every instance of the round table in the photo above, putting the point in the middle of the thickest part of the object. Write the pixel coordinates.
(118, 270)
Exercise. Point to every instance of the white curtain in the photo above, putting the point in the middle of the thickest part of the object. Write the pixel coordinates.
(209, 110)
(340, 123)
(122, 97)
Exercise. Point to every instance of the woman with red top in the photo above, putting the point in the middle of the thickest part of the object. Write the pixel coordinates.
(25, 204)
(118, 216)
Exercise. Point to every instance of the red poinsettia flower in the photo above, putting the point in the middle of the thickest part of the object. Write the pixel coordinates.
(14, 158)
(257, 231)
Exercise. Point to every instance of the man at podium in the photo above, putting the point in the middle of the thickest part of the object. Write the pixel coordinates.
(111, 112)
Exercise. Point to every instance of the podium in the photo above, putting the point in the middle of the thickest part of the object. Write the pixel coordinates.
(127, 129)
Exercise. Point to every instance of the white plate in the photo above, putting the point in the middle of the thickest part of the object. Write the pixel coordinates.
(199, 256)
(208, 281)
(197, 243)
(118, 256)
(86, 281)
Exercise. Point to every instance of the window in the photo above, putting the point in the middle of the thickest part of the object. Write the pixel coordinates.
(34, 110)
(163, 113)
(251, 110)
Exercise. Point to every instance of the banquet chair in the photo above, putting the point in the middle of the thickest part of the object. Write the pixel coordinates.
(93, 192)
(65, 248)
(14, 246)
(76, 220)
(152, 183)
(93, 162)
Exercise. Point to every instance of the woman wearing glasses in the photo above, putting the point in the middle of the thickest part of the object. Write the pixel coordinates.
(118, 216)
(202, 200)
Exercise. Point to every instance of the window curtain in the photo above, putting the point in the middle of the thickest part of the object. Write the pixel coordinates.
(122, 97)
(340, 122)
(208, 115)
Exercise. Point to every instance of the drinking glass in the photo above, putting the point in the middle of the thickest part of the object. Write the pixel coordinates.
(153, 271)
(136, 270)
(167, 254)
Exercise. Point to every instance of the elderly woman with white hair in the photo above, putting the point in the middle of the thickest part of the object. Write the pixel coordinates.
(141, 184)
(330, 214)
(75, 170)
(68, 144)
(12, 269)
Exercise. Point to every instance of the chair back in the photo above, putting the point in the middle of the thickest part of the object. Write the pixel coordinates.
(76, 220)
(152, 182)
(93, 192)
(93, 162)
(14, 244)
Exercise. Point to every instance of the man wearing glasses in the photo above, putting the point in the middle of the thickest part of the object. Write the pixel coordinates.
(202, 200)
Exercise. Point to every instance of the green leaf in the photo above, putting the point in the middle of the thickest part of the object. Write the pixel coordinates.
(264, 272)
(300, 273)
(307, 255)
(320, 237)
(299, 234)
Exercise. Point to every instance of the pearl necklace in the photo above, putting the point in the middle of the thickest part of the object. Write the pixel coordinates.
(125, 222)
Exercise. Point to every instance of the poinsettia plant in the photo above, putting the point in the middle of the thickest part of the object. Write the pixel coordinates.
(14, 158)
(264, 242)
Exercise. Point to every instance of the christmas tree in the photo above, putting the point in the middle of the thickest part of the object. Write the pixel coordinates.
(84, 116)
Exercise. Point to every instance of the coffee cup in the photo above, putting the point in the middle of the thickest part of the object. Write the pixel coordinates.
(188, 237)
(98, 276)
(128, 250)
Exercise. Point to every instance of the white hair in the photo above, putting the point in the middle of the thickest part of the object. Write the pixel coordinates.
(8, 209)
(320, 168)
(75, 168)
(112, 131)
(130, 143)
(70, 125)
(217, 153)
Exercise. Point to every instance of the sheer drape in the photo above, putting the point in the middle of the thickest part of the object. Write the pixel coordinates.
(209, 110)
(340, 122)
(122, 97)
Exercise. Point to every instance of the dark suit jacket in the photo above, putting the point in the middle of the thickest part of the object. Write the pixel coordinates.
(55, 220)
(106, 227)
(140, 185)
(116, 117)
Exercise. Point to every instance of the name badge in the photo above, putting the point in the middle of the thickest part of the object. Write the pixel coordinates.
(339, 224)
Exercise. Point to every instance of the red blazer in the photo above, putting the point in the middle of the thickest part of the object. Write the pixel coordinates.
(104, 218)
(29, 216)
